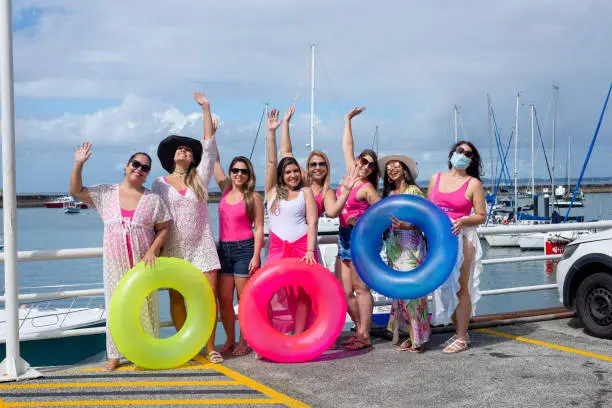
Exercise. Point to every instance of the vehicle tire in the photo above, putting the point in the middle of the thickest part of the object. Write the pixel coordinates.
(594, 304)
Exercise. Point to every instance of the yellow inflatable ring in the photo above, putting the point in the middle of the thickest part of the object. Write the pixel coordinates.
(128, 334)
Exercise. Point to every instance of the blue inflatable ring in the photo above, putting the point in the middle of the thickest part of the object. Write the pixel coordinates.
(442, 247)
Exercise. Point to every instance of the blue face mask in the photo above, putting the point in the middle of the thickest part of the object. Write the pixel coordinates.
(459, 161)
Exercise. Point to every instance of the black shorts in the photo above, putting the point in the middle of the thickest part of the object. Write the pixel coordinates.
(235, 257)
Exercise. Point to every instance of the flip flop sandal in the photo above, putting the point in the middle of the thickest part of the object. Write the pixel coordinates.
(348, 341)
(214, 357)
(456, 346)
(241, 351)
(227, 348)
(358, 345)
(406, 344)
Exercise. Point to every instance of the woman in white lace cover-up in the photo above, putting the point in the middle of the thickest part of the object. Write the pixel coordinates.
(191, 165)
(135, 229)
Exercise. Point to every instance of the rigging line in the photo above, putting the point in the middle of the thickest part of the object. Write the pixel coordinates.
(499, 180)
(465, 136)
(500, 148)
(263, 113)
(299, 88)
(325, 72)
(535, 115)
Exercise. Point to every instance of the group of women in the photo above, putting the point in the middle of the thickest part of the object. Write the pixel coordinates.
(172, 219)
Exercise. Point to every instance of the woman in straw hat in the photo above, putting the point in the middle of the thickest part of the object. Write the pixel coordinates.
(405, 248)
(191, 165)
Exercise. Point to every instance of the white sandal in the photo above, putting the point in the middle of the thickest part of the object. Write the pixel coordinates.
(214, 357)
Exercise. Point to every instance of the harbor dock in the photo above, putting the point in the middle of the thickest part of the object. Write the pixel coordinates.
(531, 364)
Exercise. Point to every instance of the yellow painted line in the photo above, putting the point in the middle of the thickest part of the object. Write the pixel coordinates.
(249, 382)
(116, 384)
(136, 368)
(84, 403)
(549, 345)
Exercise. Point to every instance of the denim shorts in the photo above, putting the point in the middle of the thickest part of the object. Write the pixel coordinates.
(235, 257)
(344, 243)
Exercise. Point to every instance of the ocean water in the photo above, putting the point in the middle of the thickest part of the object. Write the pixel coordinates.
(42, 228)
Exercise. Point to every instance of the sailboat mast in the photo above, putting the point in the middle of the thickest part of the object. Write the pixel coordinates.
(531, 108)
(516, 160)
(312, 90)
(491, 175)
(456, 128)
(554, 134)
(569, 161)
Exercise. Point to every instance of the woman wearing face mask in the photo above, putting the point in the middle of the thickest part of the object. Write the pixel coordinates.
(406, 249)
(135, 229)
(460, 194)
(240, 209)
(363, 195)
(293, 231)
(318, 176)
(190, 164)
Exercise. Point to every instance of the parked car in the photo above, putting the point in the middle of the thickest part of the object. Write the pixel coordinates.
(584, 281)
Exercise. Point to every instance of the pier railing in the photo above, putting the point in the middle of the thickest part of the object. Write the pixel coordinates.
(323, 239)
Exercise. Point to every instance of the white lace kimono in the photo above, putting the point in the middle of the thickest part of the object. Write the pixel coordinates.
(191, 237)
(150, 211)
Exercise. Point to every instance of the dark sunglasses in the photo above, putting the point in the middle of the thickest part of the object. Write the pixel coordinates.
(365, 162)
(467, 153)
(317, 164)
(236, 170)
(136, 164)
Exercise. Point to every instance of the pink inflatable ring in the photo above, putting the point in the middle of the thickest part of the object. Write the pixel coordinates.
(324, 290)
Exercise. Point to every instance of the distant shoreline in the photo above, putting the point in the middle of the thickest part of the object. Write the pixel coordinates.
(37, 200)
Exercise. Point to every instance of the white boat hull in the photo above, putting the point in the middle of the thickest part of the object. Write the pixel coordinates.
(532, 241)
(498, 241)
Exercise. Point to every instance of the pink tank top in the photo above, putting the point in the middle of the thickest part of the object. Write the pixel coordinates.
(454, 204)
(319, 200)
(234, 222)
(127, 216)
(353, 207)
(181, 192)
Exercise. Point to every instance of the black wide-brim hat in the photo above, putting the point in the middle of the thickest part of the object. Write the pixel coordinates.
(167, 149)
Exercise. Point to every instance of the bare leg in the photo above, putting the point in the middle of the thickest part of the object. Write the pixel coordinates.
(463, 312)
(365, 304)
(301, 311)
(228, 317)
(111, 364)
(343, 273)
(242, 348)
(211, 353)
(178, 312)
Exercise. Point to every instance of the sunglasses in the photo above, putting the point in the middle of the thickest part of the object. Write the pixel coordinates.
(236, 170)
(136, 165)
(365, 162)
(467, 153)
(317, 164)
(185, 148)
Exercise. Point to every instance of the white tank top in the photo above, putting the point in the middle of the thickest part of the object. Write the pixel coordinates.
(288, 219)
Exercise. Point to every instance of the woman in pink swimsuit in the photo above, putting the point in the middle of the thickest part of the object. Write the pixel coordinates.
(363, 195)
(190, 164)
(135, 229)
(318, 175)
(240, 209)
(460, 194)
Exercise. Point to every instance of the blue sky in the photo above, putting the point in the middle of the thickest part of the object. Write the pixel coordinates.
(121, 74)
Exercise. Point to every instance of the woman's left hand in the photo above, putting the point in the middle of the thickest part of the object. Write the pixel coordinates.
(457, 226)
(149, 259)
(309, 258)
(254, 264)
(399, 224)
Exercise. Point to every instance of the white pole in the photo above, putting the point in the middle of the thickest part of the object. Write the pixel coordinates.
(492, 176)
(456, 129)
(554, 133)
(531, 107)
(312, 90)
(13, 367)
(569, 163)
(516, 160)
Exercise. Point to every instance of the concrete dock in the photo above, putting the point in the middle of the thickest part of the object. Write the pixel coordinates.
(545, 364)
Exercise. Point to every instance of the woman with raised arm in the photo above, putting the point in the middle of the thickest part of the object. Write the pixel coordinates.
(406, 249)
(460, 194)
(191, 165)
(292, 212)
(135, 229)
(240, 209)
(364, 194)
(318, 174)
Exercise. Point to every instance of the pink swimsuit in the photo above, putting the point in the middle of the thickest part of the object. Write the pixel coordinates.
(127, 216)
(234, 222)
(454, 204)
(353, 207)
(319, 200)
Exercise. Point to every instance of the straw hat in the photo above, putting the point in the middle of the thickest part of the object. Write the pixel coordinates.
(167, 149)
(408, 162)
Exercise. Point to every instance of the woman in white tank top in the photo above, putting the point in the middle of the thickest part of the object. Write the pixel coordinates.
(293, 218)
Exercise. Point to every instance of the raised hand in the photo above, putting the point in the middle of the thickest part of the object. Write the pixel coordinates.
(399, 224)
(83, 152)
(273, 122)
(201, 99)
(349, 181)
(356, 111)
(289, 113)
